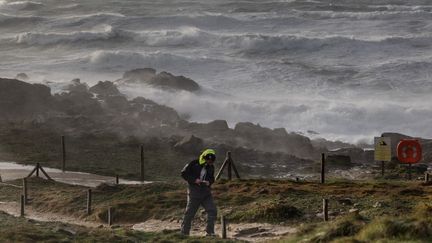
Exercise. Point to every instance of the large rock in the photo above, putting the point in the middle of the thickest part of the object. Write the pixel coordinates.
(165, 79)
(140, 74)
(105, 88)
(356, 155)
(20, 100)
(277, 140)
(190, 145)
(76, 86)
(22, 76)
(161, 80)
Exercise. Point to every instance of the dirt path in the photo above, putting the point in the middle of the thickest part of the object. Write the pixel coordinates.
(252, 232)
(13, 208)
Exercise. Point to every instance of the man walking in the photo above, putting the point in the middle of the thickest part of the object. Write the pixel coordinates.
(200, 176)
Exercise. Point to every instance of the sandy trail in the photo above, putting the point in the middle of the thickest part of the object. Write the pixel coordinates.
(13, 208)
(252, 232)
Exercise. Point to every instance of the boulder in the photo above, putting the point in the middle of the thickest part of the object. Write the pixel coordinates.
(217, 126)
(105, 88)
(76, 86)
(20, 99)
(140, 74)
(167, 80)
(161, 80)
(22, 76)
(190, 145)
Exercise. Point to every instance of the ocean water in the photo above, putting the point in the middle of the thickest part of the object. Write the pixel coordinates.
(346, 69)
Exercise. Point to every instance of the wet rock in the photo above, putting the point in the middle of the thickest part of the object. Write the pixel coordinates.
(22, 77)
(23, 100)
(167, 80)
(190, 144)
(105, 88)
(76, 86)
(140, 74)
(161, 80)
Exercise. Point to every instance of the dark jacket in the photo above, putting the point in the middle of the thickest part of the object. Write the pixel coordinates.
(192, 171)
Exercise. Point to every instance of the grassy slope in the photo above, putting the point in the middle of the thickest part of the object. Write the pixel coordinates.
(390, 210)
(242, 201)
(22, 230)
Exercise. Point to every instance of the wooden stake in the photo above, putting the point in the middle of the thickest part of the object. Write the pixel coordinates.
(322, 168)
(110, 219)
(63, 153)
(142, 163)
(37, 169)
(22, 206)
(24, 181)
(117, 179)
(223, 225)
(222, 168)
(89, 201)
(426, 177)
(229, 169)
(46, 174)
(325, 209)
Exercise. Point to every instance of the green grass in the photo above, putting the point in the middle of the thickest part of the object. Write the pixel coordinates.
(22, 230)
(387, 211)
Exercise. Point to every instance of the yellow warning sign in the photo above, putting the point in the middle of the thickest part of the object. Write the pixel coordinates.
(382, 149)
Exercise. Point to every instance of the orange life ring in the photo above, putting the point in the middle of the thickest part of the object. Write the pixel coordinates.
(409, 151)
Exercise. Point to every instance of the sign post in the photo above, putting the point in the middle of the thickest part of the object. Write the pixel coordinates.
(382, 151)
(409, 151)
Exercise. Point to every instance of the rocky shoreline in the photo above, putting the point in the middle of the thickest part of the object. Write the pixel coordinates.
(100, 118)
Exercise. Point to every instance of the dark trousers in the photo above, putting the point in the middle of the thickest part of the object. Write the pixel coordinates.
(193, 203)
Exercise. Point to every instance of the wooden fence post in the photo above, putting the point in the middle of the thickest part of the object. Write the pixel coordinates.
(325, 209)
(37, 169)
(110, 218)
(63, 153)
(322, 168)
(142, 163)
(426, 177)
(89, 201)
(117, 180)
(22, 206)
(24, 181)
(223, 227)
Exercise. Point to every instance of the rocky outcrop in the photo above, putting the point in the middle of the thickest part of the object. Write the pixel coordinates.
(76, 86)
(356, 155)
(161, 80)
(19, 100)
(276, 140)
(105, 88)
(190, 144)
(22, 77)
(321, 143)
(139, 75)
